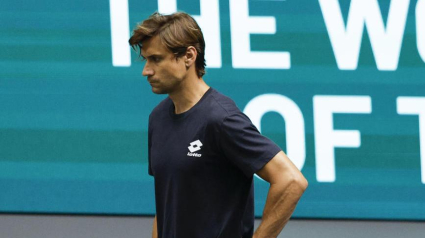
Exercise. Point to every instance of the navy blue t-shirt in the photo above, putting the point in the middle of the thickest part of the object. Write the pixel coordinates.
(203, 162)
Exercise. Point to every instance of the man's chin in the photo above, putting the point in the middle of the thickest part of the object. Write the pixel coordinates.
(158, 91)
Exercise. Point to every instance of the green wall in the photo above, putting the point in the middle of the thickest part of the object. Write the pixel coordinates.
(73, 127)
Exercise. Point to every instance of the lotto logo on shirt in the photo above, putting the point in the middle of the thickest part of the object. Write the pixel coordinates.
(194, 146)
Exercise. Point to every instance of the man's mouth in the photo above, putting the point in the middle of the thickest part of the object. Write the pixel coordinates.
(152, 81)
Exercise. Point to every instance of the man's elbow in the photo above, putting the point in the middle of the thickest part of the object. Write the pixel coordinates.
(299, 182)
(302, 183)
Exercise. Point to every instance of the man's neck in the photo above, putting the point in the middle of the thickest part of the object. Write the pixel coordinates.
(190, 93)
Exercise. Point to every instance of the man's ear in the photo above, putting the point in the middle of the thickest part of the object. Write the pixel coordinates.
(190, 56)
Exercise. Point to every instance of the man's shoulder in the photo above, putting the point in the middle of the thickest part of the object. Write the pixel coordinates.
(221, 104)
(162, 107)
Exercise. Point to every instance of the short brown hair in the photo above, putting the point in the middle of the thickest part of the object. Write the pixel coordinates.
(176, 31)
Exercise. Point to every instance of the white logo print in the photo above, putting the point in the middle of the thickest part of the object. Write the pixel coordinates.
(194, 146)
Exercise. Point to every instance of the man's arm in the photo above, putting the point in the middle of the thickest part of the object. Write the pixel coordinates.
(154, 229)
(287, 184)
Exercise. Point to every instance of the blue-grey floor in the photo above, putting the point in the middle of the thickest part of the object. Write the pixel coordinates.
(55, 226)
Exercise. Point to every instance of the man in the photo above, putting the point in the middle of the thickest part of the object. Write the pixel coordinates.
(203, 151)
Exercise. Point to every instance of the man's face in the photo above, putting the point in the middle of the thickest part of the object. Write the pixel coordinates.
(165, 73)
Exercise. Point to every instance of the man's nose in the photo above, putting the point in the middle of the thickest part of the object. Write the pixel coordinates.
(147, 71)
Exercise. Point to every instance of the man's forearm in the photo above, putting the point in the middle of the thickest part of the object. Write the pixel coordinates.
(280, 204)
(154, 229)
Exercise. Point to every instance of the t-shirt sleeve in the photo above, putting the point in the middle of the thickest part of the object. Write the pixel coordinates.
(243, 144)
